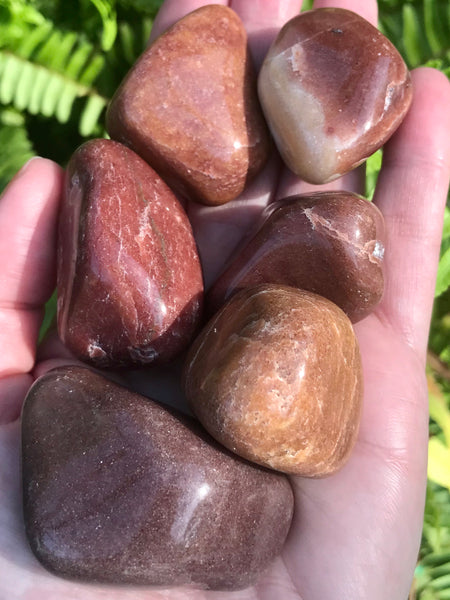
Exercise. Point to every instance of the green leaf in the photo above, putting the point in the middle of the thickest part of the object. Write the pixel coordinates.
(24, 86)
(15, 150)
(439, 407)
(373, 166)
(434, 26)
(436, 559)
(21, 12)
(148, 7)
(34, 39)
(443, 274)
(438, 462)
(440, 583)
(78, 60)
(49, 316)
(91, 113)
(44, 90)
(412, 35)
(446, 226)
(92, 70)
(10, 71)
(108, 15)
(442, 569)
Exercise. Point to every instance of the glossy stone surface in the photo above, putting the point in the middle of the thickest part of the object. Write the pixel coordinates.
(331, 243)
(189, 107)
(118, 489)
(333, 89)
(130, 284)
(276, 377)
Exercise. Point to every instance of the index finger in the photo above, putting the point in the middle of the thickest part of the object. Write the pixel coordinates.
(174, 10)
(219, 229)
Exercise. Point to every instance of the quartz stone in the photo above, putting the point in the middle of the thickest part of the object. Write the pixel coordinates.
(118, 489)
(331, 243)
(189, 107)
(333, 89)
(276, 377)
(129, 278)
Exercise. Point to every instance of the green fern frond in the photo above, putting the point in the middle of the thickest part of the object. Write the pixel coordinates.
(15, 147)
(46, 72)
(413, 39)
(131, 40)
(33, 39)
(419, 28)
(41, 90)
(435, 29)
(91, 114)
(107, 12)
(144, 7)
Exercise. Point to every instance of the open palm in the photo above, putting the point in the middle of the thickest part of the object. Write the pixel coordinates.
(356, 534)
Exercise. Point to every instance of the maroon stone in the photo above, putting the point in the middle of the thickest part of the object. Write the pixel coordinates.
(118, 489)
(331, 243)
(129, 277)
(189, 107)
(333, 89)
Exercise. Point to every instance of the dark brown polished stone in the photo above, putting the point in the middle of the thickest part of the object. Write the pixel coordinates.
(333, 89)
(130, 284)
(189, 107)
(276, 377)
(331, 243)
(118, 489)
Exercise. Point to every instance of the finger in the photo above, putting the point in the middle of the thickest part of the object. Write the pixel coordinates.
(411, 192)
(174, 10)
(28, 215)
(262, 20)
(13, 390)
(367, 9)
(219, 230)
(290, 184)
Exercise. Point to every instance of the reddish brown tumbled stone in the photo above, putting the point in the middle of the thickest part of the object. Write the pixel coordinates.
(331, 243)
(189, 107)
(118, 489)
(333, 89)
(129, 278)
(276, 377)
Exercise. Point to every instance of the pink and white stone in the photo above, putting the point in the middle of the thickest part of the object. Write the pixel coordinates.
(333, 90)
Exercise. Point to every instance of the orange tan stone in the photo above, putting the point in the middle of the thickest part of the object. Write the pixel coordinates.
(276, 377)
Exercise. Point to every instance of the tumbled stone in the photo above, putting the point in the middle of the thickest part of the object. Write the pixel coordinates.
(331, 243)
(333, 89)
(129, 278)
(189, 107)
(276, 377)
(118, 489)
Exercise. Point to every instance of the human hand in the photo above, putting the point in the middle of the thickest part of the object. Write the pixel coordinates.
(355, 534)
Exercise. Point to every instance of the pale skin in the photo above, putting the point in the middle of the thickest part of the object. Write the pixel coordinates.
(355, 534)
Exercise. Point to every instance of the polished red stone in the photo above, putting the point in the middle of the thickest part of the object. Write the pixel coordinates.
(333, 89)
(118, 489)
(189, 107)
(129, 277)
(331, 243)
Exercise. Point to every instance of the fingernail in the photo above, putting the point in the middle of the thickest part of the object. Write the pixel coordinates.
(25, 167)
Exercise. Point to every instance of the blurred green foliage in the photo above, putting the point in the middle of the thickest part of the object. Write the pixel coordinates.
(60, 63)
